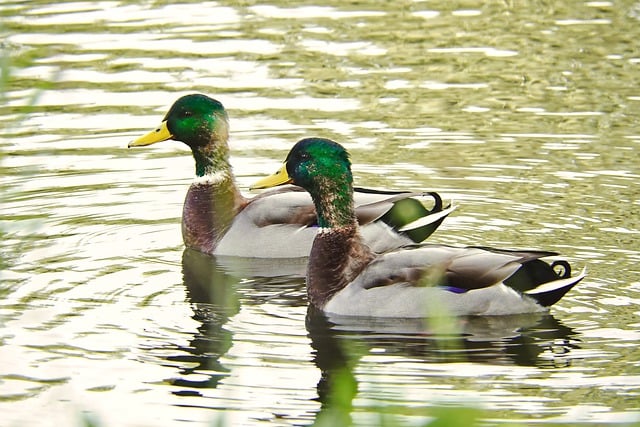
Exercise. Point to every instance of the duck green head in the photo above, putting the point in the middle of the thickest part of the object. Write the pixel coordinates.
(322, 167)
(200, 122)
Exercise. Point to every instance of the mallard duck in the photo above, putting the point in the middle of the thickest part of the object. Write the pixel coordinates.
(345, 277)
(218, 219)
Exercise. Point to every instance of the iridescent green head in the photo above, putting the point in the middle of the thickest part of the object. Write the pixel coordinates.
(195, 119)
(322, 167)
(201, 123)
(313, 162)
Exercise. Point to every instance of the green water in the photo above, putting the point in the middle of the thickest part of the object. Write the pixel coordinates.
(524, 113)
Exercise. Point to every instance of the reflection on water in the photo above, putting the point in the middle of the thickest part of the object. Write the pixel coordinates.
(526, 340)
(212, 295)
(524, 114)
(340, 342)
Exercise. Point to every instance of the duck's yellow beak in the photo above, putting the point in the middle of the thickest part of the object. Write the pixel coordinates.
(158, 135)
(278, 178)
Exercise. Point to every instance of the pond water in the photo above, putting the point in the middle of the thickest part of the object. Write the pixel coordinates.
(526, 114)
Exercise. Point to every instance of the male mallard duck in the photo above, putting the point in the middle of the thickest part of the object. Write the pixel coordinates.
(345, 277)
(281, 223)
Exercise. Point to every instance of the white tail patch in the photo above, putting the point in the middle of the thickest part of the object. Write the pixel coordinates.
(429, 219)
(557, 284)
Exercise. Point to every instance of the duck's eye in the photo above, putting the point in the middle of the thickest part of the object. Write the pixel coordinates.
(304, 156)
(187, 113)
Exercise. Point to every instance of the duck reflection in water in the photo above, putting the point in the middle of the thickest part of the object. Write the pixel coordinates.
(212, 294)
(212, 285)
(536, 340)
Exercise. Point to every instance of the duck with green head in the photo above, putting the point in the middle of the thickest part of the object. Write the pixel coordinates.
(345, 277)
(218, 219)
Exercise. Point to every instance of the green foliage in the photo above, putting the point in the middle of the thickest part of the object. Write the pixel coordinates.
(89, 420)
(405, 212)
(454, 416)
(337, 410)
(4, 74)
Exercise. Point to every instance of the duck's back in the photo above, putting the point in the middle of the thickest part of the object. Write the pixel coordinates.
(275, 224)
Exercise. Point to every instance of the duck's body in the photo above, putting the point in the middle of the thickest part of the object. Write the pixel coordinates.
(437, 279)
(217, 219)
(345, 277)
(283, 221)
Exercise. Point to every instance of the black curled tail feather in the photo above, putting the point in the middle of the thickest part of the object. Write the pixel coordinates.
(565, 268)
(545, 282)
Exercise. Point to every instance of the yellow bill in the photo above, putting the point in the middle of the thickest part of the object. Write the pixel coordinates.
(158, 135)
(278, 178)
